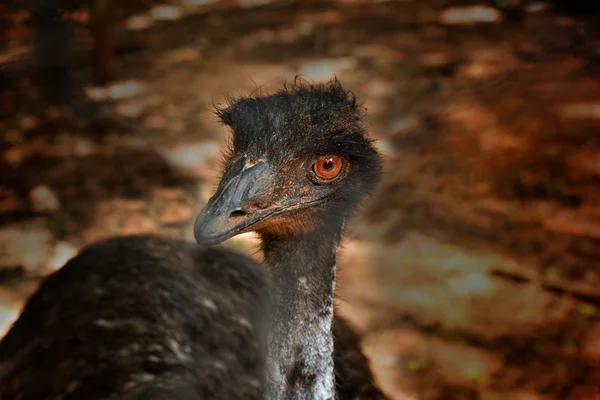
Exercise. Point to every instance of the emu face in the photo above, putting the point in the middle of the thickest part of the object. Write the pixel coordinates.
(300, 159)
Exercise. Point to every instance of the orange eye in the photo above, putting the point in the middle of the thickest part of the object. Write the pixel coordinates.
(328, 167)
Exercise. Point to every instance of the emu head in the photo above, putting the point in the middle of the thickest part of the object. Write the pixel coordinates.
(300, 160)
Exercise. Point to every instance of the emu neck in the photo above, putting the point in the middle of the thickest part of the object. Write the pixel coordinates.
(302, 270)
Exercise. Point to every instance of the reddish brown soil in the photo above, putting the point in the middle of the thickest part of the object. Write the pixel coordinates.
(473, 273)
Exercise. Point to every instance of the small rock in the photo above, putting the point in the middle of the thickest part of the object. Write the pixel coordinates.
(97, 93)
(83, 147)
(29, 122)
(44, 199)
(63, 252)
(123, 90)
(166, 13)
(474, 283)
(470, 15)
(139, 22)
(131, 110)
(306, 28)
(192, 155)
(384, 146)
(10, 308)
(536, 6)
(327, 68)
(589, 110)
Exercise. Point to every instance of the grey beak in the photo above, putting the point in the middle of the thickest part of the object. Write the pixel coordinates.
(235, 206)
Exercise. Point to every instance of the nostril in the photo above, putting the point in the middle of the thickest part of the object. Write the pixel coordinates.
(237, 213)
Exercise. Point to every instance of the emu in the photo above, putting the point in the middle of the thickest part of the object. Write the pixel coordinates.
(149, 317)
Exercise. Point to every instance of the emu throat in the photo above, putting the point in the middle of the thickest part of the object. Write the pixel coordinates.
(302, 273)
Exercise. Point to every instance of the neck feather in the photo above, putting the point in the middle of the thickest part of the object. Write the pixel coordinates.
(302, 271)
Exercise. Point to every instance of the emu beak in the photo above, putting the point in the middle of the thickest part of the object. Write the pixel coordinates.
(236, 205)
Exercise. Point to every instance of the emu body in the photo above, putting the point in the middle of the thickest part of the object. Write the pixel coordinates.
(147, 317)
(140, 314)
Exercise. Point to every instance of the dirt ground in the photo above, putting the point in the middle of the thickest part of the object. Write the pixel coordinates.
(473, 272)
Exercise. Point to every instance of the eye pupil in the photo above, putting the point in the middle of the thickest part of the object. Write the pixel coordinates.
(328, 164)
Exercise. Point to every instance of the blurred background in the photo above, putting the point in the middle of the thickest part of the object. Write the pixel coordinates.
(472, 274)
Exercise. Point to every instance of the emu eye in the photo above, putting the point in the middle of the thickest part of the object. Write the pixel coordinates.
(328, 167)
